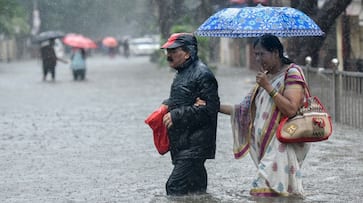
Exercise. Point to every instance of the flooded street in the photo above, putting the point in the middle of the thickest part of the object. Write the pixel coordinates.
(87, 141)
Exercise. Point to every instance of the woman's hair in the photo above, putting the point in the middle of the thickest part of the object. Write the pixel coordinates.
(271, 43)
(83, 52)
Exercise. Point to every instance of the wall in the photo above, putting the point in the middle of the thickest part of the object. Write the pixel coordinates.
(7, 50)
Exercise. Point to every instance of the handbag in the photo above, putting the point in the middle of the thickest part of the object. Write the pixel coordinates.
(312, 123)
(160, 133)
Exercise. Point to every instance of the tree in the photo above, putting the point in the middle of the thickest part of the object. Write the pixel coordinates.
(325, 17)
(186, 16)
(297, 49)
(95, 18)
(169, 13)
(12, 18)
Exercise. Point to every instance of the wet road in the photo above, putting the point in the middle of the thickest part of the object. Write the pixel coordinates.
(87, 142)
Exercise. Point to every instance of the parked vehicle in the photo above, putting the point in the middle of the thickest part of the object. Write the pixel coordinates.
(143, 46)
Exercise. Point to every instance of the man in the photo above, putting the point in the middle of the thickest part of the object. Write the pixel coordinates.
(191, 127)
(49, 58)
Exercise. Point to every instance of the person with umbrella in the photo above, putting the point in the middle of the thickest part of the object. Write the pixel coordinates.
(255, 120)
(78, 57)
(279, 92)
(49, 58)
(78, 63)
(111, 44)
(191, 128)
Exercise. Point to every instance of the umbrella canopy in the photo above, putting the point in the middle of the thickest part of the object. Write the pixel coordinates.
(79, 41)
(47, 35)
(259, 20)
(109, 42)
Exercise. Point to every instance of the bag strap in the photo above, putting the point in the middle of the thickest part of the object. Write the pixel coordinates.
(307, 90)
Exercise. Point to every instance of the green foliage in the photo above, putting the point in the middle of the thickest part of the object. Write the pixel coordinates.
(181, 28)
(203, 48)
(12, 18)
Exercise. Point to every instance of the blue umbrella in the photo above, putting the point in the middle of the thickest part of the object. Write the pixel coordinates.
(259, 20)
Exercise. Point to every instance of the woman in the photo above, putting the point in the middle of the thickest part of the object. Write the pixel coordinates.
(78, 63)
(255, 120)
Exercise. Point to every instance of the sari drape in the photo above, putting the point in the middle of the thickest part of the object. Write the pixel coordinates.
(254, 122)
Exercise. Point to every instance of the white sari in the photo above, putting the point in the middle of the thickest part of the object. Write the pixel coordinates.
(254, 124)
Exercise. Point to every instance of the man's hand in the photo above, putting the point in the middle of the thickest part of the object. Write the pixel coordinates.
(167, 120)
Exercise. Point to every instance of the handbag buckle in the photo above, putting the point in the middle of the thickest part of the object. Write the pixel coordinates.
(291, 129)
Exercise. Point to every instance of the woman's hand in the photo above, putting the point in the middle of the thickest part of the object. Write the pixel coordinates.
(168, 122)
(200, 102)
(223, 108)
(262, 80)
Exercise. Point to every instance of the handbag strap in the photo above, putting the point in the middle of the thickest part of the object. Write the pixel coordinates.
(307, 90)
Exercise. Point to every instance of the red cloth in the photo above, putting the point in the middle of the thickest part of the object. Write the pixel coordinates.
(160, 133)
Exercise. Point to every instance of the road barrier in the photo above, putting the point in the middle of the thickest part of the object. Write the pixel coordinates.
(340, 91)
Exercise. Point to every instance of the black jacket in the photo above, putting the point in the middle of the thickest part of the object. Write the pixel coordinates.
(193, 133)
(49, 57)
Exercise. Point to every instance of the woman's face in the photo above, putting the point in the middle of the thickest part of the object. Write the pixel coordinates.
(267, 60)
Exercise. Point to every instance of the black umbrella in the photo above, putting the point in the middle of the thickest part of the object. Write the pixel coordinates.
(47, 35)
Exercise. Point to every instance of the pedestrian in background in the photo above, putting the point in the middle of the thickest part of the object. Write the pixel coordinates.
(49, 58)
(126, 47)
(255, 121)
(191, 128)
(78, 63)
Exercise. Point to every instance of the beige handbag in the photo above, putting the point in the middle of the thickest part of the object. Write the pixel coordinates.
(312, 123)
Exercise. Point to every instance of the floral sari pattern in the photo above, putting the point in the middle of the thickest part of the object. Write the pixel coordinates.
(254, 123)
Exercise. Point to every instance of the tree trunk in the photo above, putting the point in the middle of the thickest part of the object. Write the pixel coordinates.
(170, 12)
(299, 48)
(163, 7)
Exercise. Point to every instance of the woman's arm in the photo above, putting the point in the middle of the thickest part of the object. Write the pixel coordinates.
(290, 101)
(226, 109)
(223, 108)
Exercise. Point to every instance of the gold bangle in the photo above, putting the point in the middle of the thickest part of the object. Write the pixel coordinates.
(273, 92)
(273, 96)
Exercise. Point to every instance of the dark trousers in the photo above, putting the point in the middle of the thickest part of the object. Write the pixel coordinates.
(47, 69)
(79, 74)
(189, 176)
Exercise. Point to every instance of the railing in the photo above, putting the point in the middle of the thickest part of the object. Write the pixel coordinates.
(341, 92)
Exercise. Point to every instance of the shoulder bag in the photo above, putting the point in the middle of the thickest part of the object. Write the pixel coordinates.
(312, 123)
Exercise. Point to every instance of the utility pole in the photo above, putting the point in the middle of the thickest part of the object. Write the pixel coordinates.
(36, 19)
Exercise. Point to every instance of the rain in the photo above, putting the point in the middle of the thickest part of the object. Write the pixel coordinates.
(85, 140)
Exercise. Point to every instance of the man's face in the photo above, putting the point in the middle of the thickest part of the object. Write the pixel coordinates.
(176, 57)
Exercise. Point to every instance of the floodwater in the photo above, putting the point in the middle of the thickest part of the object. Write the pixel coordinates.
(87, 142)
